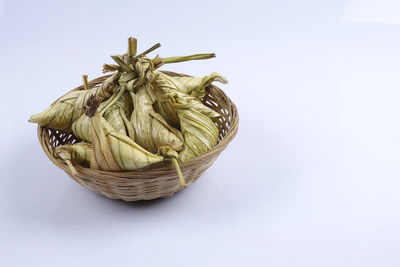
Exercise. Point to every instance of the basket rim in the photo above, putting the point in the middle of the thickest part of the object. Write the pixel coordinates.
(226, 139)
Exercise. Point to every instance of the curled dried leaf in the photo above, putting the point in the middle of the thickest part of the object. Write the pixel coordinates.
(199, 132)
(59, 115)
(114, 151)
(151, 129)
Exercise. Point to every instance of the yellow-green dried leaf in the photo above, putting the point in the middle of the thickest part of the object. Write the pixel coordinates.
(78, 152)
(162, 90)
(114, 151)
(199, 132)
(171, 155)
(67, 109)
(59, 115)
(104, 91)
(151, 129)
(111, 111)
(114, 114)
(194, 86)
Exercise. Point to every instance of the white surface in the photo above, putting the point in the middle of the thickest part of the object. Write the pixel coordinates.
(312, 178)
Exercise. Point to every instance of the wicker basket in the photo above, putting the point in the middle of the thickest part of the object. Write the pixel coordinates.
(151, 183)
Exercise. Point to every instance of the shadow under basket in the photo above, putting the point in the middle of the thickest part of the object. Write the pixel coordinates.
(151, 183)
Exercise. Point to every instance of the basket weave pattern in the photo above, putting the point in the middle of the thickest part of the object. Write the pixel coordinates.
(151, 183)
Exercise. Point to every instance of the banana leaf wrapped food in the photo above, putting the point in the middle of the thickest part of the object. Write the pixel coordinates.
(199, 132)
(151, 129)
(194, 86)
(137, 118)
(60, 115)
(116, 115)
(112, 150)
(104, 91)
(80, 153)
(115, 111)
(162, 89)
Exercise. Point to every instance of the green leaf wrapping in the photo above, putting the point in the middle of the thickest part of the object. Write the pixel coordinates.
(151, 129)
(194, 86)
(162, 89)
(114, 151)
(78, 152)
(114, 114)
(67, 109)
(104, 91)
(199, 132)
(112, 110)
(59, 115)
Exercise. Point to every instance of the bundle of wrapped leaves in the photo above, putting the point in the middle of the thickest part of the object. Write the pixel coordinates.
(137, 118)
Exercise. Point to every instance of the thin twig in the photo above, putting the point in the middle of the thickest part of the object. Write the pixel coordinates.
(187, 58)
(110, 68)
(129, 53)
(157, 62)
(178, 170)
(85, 82)
(71, 167)
(132, 46)
(154, 47)
(124, 66)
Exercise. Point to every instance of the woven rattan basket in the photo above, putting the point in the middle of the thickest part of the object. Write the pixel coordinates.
(151, 183)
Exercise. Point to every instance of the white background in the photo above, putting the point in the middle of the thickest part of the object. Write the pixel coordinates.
(312, 178)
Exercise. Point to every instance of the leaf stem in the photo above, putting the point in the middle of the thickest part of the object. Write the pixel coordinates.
(85, 82)
(178, 170)
(132, 46)
(154, 47)
(120, 62)
(71, 167)
(187, 58)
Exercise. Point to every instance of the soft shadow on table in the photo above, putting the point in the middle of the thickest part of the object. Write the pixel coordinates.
(80, 207)
(41, 193)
